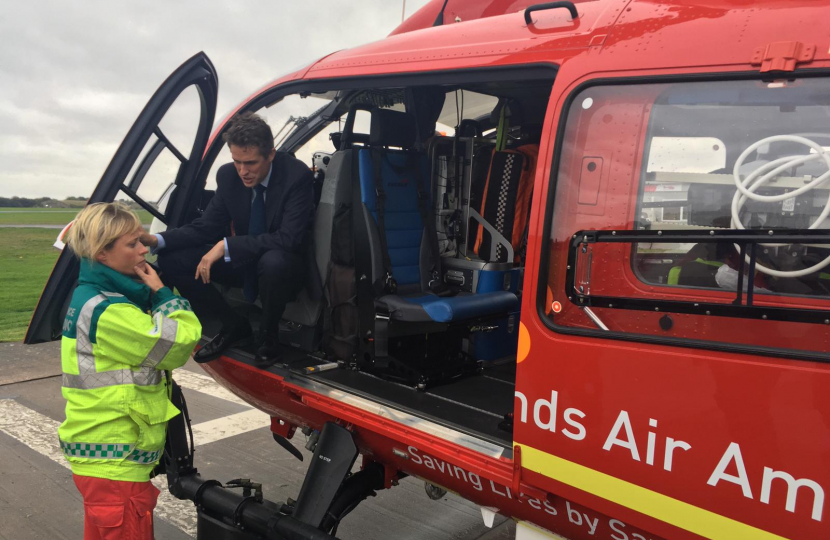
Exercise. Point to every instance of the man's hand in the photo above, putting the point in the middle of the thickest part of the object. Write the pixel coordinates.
(203, 269)
(149, 240)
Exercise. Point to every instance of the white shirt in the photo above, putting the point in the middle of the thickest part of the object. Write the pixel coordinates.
(264, 183)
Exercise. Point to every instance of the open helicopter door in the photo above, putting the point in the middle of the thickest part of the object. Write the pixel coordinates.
(164, 175)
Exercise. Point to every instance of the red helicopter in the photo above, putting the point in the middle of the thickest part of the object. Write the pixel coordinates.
(573, 262)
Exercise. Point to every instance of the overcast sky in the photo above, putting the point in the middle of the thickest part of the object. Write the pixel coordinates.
(74, 75)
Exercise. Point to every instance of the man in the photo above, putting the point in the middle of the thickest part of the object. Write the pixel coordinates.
(266, 199)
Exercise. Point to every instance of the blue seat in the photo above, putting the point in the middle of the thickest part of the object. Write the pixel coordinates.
(430, 307)
(403, 223)
(398, 205)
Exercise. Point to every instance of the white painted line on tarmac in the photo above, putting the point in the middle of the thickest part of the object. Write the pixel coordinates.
(205, 385)
(228, 426)
(40, 433)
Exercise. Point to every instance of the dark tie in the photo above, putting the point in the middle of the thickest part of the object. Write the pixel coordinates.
(255, 226)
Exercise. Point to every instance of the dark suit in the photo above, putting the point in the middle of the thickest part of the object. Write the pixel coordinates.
(277, 254)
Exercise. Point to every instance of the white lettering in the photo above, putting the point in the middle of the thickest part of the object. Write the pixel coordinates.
(523, 409)
(577, 520)
(549, 508)
(613, 524)
(475, 480)
(592, 527)
(732, 453)
(630, 443)
(671, 444)
(580, 429)
(534, 503)
(651, 441)
(551, 407)
(497, 492)
(793, 486)
(454, 471)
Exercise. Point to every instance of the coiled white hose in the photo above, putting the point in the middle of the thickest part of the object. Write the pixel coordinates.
(767, 172)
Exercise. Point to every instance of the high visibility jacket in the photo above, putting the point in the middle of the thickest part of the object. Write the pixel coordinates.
(118, 342)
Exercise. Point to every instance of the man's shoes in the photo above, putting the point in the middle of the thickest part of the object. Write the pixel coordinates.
(239, 335)
(269, 352)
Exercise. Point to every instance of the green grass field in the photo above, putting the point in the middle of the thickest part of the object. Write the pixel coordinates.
(49, 216)
(26, 260)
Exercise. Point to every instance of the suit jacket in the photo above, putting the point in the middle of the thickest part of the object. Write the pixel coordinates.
(289, 210)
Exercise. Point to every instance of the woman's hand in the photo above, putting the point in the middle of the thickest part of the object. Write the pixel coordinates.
(148, 275)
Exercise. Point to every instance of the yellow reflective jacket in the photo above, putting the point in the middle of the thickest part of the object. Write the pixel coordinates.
(119, 341)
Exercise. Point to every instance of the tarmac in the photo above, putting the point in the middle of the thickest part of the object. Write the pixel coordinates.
(38, 499)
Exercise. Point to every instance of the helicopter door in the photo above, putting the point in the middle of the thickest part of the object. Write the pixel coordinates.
(150, 167)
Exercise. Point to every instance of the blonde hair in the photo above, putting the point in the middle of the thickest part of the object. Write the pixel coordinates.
(98, 226)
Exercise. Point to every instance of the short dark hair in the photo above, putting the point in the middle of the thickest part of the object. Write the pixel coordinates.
(249, 130)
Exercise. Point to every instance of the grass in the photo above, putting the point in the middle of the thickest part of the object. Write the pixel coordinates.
(50, 216)
(26, 260)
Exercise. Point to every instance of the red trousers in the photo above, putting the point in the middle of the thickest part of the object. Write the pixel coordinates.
(115, 510)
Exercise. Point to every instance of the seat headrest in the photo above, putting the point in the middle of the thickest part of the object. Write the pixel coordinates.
(392, 128)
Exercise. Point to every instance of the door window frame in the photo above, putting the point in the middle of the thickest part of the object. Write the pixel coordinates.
(206, 85)
(542, 284)
(514, 72)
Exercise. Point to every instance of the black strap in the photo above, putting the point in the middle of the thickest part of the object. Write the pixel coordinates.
(435, 284)
(179, 447)
(388, 284)
(381, 336)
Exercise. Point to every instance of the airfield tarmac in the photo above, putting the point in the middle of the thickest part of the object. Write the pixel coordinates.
(38, 499)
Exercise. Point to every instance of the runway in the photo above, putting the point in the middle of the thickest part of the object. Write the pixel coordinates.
(38, 498)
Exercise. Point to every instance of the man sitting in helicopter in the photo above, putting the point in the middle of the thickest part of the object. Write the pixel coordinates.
(265, 199)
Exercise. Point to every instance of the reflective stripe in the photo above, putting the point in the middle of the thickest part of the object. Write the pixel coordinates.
(167, 338)
(674, 273)
(99, 451)
(89, 378)
(709, 263)
(702, 522)
(144, 377)
(170, 306)
(144, 456)
(110, 451)
(83, 345)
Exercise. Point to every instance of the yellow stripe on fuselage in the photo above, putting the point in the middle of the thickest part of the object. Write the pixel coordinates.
(678, 513)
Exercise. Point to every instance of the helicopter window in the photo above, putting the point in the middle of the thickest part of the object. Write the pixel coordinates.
(696, 205)
(284, 117)
(464, 105)
(151, 180)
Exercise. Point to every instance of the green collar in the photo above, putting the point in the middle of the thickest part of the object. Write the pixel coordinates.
(104, 278)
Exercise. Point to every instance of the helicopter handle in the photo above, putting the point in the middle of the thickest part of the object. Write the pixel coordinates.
(551, 5)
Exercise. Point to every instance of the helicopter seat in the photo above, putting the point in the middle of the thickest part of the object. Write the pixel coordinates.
(410, 299)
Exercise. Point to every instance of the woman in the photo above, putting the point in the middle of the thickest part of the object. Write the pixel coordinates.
(123, 333)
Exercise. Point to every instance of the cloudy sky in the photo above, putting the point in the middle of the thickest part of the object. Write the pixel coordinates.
(74, 75)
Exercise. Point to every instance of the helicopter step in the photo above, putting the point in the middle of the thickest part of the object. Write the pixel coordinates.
(328, 494)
